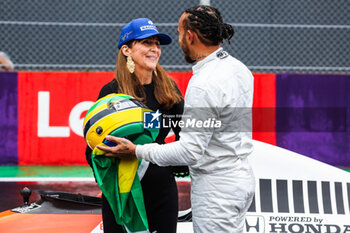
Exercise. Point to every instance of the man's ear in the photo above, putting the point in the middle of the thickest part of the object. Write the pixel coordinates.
(126, 50)
(190, 36)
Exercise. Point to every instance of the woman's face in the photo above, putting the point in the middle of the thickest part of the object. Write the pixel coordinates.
(146, 53)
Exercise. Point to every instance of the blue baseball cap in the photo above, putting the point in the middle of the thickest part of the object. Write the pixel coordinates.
(140, 29)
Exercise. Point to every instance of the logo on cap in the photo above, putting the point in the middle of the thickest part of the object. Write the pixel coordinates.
(126, 35)
(148, 27)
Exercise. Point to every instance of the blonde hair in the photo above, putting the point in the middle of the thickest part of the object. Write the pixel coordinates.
(164, 87)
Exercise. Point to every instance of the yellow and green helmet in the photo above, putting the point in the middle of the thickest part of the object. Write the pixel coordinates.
(118, 115)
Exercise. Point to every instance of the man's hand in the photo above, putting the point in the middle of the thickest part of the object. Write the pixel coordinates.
(123, 149)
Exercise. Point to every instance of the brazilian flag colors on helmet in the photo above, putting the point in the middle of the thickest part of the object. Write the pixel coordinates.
(117, 115)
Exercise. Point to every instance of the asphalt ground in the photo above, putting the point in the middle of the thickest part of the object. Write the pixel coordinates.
(73, 179)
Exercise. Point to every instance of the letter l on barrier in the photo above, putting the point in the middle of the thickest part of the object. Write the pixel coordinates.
(44, 129)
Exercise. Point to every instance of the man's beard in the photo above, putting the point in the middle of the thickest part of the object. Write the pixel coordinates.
(186, 51)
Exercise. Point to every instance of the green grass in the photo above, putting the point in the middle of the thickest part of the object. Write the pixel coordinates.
(45, 171)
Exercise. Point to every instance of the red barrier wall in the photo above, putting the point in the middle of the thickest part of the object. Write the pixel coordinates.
(63, 91)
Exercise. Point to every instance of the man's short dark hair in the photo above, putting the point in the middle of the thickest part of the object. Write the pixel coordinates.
(207, 22)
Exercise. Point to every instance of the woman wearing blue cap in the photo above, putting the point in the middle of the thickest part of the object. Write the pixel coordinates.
(139, 74)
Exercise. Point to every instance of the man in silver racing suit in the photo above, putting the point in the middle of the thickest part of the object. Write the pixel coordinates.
(215, 139)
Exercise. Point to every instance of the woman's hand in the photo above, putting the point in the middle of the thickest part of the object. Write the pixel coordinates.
(123, 149)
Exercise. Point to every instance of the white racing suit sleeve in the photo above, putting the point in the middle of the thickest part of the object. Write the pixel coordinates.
(194, 137)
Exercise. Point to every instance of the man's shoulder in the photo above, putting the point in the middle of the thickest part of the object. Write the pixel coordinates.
(233, 63)
(222, 67)
(223, 75)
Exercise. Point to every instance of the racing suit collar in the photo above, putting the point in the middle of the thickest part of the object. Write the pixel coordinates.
(199, 65)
